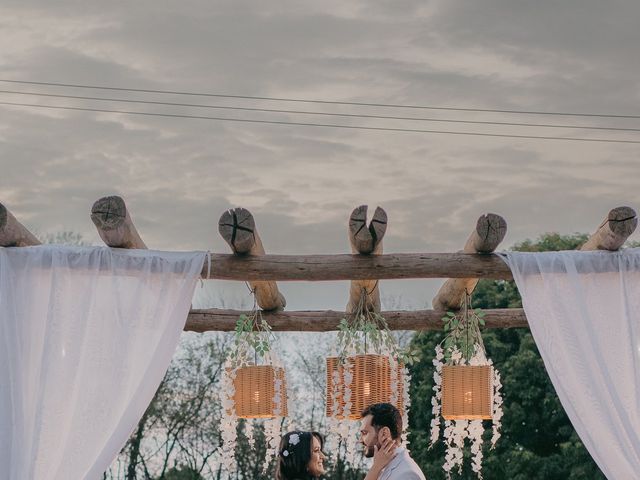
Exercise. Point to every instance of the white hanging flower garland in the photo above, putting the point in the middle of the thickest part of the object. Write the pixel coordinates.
(229, 420)
(471, 352)
(365, 332)
(253, 339)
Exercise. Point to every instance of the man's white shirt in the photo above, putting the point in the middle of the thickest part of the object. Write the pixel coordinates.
(401, 467)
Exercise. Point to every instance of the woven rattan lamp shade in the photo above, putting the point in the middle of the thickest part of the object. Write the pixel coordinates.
(371, 383)
(467, 392)
(254, 391)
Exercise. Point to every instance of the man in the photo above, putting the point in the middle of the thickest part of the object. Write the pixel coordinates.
(380, 434)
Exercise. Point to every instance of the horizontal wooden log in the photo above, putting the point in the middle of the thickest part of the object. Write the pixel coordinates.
(325, 321)
(12, 232)
(351, 267)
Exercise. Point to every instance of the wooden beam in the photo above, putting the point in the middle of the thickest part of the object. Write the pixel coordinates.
(613, 231)
(114, 224)
(324, 321)
(355, 267)
(366, 240)
(238, 228)
(12, 232)
(485, 238)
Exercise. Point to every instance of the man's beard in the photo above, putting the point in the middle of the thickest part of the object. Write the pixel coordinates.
(369, 449)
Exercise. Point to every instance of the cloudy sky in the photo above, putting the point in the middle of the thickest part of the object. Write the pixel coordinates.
(178, 175)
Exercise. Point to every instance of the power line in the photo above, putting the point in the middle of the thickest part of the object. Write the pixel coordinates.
(328, 102)
(353, 127)
(331, 114)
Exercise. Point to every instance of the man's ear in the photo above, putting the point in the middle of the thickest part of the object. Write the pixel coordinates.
(384, 433)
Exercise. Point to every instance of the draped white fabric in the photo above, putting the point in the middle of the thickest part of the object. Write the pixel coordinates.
(584, 313)
(86, 335)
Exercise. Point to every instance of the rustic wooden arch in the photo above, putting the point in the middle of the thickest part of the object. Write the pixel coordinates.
(364, 267)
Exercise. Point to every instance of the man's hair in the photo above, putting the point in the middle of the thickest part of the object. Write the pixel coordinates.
(385, 415)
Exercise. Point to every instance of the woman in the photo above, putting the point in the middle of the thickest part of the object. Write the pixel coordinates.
(300, 456)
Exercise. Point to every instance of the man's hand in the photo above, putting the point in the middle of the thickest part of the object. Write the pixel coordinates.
(381, 457)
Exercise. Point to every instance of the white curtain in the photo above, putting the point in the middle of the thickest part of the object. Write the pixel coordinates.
(584, 313)
(86, 335)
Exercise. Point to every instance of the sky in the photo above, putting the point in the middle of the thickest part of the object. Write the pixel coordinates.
(178, 175)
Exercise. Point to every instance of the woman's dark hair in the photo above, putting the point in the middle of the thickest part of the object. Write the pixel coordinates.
(385, 415)
(294, 455)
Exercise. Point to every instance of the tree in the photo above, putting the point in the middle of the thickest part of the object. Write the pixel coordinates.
(538, 440)
(178, 432)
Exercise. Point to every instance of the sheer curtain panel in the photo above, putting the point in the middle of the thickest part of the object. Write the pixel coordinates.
(584, 313)
(86, 335)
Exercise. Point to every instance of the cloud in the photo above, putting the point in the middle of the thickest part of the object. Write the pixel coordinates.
(301, 183)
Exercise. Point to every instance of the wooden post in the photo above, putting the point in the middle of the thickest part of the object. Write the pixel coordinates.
(489, 232)
(12, 232)
(366, 240)
(238, 229)
(114, 224)
(613, 231)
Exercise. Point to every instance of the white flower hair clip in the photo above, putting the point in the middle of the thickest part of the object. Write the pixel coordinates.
(294, 439)
(285, 453)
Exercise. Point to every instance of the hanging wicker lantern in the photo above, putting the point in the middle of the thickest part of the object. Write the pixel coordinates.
(467, 392)
(371, 383)
(255, 389)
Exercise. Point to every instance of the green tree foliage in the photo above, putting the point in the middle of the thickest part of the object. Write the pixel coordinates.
(538, 441)
(552, 242)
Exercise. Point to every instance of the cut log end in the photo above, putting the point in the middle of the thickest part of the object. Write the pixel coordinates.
(114, 224)
(622, 221)
(491, 230)
(237, 227)
(366, 239)
(109, 213)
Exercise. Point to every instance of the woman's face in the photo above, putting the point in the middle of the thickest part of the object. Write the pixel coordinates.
(316, 467)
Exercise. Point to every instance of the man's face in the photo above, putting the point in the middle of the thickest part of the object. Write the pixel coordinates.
(368, 436)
